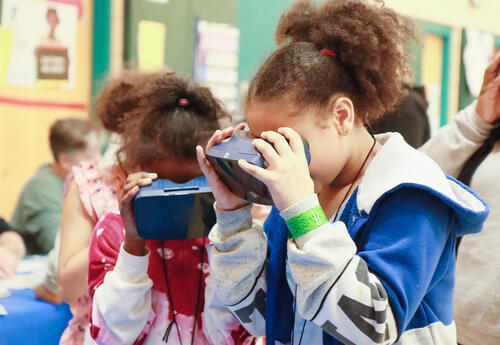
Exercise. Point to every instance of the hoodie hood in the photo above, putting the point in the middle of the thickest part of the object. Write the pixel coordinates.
(415, 169)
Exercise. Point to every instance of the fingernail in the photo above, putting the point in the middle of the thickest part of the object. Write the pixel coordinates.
(153, 175)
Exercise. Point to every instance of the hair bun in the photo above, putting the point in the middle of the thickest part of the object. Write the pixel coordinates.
(120, 96)
(172, 91)
(297, 23)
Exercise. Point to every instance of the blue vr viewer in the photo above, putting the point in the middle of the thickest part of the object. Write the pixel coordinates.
(166, 210)
(224, 159)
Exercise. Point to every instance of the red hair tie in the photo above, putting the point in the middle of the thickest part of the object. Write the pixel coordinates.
(183, 102)
(328, 52)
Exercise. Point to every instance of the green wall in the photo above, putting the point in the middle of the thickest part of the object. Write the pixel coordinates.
(180, 17)
(257, 32)
(102, 44)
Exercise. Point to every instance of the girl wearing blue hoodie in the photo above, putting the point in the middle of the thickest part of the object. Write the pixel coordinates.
(360, 245)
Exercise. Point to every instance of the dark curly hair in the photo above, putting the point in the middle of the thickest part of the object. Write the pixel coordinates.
(120, 96)
(370, 66)
(174, 115)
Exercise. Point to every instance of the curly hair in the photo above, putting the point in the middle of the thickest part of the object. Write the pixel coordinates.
(120, 96)
(174, 115)
(370, 66)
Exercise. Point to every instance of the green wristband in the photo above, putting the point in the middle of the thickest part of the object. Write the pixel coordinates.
(306, 221)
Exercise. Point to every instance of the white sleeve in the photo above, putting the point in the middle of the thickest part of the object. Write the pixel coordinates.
(220, 325)
(251, 310)
(122, 303)
(237, 266)
(456, 142)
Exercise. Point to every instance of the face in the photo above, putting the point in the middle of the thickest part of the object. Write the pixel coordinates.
(67, 160)
(178, 171)
(328, 156)
(52, 19)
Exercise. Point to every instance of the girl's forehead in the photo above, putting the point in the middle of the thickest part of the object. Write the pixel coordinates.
(269, 116)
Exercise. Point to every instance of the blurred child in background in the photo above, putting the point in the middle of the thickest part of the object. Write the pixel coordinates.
(37, 216)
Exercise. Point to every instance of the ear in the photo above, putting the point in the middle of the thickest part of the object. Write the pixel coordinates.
(342, 111)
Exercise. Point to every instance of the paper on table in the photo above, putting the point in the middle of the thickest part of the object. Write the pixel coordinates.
(4, 292)
(30, 273)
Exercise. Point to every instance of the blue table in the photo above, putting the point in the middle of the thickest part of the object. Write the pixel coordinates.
(31, 321)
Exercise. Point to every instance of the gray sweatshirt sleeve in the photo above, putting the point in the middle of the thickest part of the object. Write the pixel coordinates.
(237, 266)
(456, 142)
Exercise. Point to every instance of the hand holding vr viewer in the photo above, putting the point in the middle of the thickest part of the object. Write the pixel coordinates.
(159, 209)
(242, 169)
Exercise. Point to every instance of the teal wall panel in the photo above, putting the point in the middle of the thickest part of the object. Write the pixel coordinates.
(101, 44)
(257, 20)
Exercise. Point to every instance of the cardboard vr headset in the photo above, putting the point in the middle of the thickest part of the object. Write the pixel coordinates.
(166, 210)
(224, 159)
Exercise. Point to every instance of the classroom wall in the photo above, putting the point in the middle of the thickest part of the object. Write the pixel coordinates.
(257, 21)
(179, 17)
(457, 14)
(27, 113)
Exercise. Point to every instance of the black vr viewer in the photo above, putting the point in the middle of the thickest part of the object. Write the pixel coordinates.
(224, 159)
(166, 210)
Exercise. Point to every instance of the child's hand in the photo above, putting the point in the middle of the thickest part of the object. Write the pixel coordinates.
(133, 244)
(287, 175)
(226, 200)
(8, 263)
(488, 102)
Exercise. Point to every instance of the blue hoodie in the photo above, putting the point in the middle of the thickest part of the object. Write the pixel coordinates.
(383, 274)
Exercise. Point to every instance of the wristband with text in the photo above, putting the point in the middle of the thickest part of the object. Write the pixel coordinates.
(306, 221)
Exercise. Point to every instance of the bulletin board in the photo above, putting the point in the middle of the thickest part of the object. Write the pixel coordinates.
(45, 75)
(216, 61)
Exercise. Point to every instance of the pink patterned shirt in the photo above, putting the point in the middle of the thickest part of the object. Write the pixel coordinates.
(98, 188)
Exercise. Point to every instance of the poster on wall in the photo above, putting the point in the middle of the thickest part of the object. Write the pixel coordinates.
(43, 51)
(150, 45)
(216, 61)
